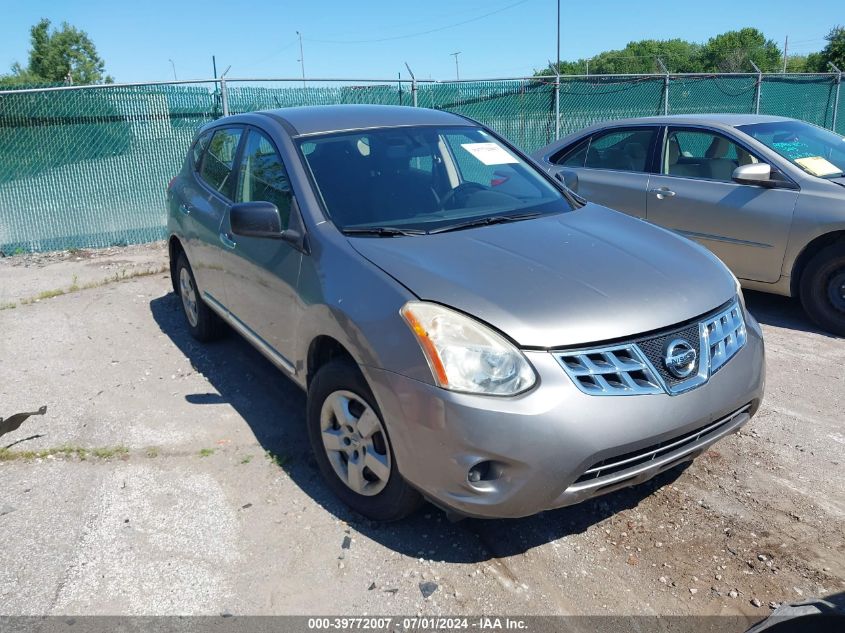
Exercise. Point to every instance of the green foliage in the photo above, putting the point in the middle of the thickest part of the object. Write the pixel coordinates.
(734, 51)
(834, 51)
(65, 55)
(637, 58)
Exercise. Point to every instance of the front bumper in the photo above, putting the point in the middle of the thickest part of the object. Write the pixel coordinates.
(555, 445)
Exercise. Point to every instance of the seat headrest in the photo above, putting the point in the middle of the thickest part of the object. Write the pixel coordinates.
(674, 150)
(718, 148)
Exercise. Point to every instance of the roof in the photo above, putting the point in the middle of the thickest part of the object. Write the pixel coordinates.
(731, 120)
(337, 118)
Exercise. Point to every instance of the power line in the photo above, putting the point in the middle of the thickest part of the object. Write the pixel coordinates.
(427, 32)
(276, 51)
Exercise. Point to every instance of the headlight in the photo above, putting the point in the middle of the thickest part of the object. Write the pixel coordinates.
(465, 355)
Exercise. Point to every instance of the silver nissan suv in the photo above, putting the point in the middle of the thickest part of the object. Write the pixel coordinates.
(468, 330)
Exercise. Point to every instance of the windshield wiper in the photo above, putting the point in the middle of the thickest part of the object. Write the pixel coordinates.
(382, 231)
(485, 221)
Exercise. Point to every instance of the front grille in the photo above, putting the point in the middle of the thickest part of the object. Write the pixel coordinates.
(611, 371)
(726, 335)
(619, 463)
(640, 367)
(655, 349)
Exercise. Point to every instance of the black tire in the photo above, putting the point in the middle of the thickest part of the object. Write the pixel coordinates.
(205, 326)
(823, 289)
(397, 499)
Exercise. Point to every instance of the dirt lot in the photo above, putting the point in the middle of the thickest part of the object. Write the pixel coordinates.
(168, 477)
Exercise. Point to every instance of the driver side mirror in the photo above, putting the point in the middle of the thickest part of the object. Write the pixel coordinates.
(752, 174)
(568, 178)
(760, 174)
(260, 219)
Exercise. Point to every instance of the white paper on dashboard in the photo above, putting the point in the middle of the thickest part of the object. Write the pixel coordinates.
(490, 153)
(818, 166)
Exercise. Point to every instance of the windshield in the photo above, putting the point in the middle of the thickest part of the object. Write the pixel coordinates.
(414, 180)
(817, 151)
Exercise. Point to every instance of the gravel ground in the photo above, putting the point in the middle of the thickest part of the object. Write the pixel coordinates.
(202, 497)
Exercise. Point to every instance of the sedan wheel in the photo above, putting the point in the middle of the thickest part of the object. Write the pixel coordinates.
(836, 290)
(823, 288)
(354, 440)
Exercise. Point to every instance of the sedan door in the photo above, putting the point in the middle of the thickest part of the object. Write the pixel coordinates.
(262, 273)
(746, 226)
(612, 167)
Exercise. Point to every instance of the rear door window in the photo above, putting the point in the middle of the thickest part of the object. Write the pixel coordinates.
(219, 161)
(573, 156)
(621, 150)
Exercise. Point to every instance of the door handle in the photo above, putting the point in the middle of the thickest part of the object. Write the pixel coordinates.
(662, 192)
(185, 209)
(227, 241)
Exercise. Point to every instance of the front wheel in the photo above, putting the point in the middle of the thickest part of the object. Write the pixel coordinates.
(352, 447)
(823, 289)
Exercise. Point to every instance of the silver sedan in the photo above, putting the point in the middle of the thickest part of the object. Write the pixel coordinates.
(766, 194)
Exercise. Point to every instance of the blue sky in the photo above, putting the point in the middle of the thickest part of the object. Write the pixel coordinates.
(373, 38)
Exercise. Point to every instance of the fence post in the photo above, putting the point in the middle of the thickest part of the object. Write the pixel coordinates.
(665, 86)
(836, 99)
(758, 88)
(224, 96)
(557, 105)
(413, 85)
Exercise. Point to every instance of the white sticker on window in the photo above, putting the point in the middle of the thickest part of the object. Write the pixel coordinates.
(818, 166)
(490, 153)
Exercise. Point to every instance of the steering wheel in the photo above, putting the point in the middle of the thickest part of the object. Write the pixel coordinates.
(463, 190)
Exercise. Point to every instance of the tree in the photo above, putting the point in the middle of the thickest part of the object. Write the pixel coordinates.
(637, 57)
(798, 63)
(66, 55)
(816, 64)
(834, 52)
(734, 51)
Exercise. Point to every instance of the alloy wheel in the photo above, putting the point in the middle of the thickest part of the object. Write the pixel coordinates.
(189, 296)
(355, 442)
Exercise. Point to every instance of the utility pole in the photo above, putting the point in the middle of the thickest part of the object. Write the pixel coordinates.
(301, 59)
(172, 65)
(785, 49)
(214, 65)
(457, 70)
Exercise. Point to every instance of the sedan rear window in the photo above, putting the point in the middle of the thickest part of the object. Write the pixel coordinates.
(620, 150)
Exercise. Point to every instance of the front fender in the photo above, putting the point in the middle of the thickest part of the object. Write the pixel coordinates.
(351, 300)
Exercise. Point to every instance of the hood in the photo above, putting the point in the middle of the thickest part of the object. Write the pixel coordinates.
(569, 279)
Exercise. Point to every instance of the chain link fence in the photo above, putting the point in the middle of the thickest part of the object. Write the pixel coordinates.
(88, 166)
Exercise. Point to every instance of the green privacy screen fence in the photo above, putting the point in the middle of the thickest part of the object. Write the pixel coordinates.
(88, 166)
